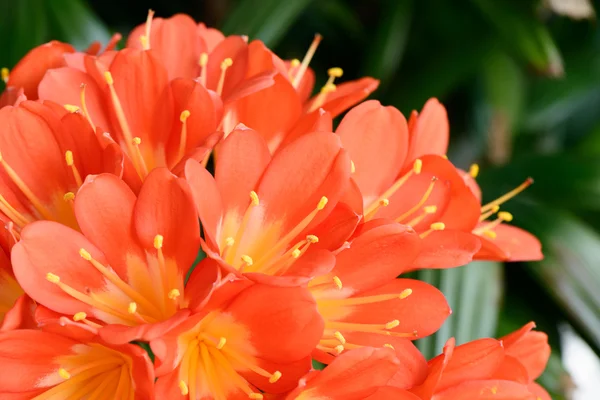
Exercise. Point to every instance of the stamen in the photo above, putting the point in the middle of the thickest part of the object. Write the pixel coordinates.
(338, 282)
(389, 346)
(185, 114)
(64, 373)
(228, 62)
(146, 45)
(381, 203)
(296, 253)
(132, 308)
(136, 145)
(487, 214)
(158, 241)
(71, 163)
(338, 335)
(490, 234)
(405, 293)
(306, 60)
(420, 203)
(312, 239)
(202, 62)
(275, 377)
(322, 203)
(339, 349)
(52, 277)
(417, 166)
(12, 213)
(255, 396)
(383, 329)
(247, 259)
(254, 198)
(174, 294)
(329, 87)
(474, 170)
(352, 167)
(183, 388)
(221, 344)
(427, 210)
(436, 226)
(230, 252)
(4, 72)
(355, 301)
(80, 316)
(392, 324)
(84, 106)
(71, 108)
(505, 216)
(504, 198)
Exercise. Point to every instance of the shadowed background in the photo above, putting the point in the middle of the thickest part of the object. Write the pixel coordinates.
(521, 81)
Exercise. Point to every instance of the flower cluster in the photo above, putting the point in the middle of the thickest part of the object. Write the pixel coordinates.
(119, 167)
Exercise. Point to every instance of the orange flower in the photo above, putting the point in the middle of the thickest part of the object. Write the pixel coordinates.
(489, 369)
(256, 339)
(420, 188)
(15, 306)
(46, 153)
(264, 216)
(364, 305)
(71, 363)
(128, 265)
(356, 375)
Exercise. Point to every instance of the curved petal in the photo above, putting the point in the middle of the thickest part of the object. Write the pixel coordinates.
(376, 139)
(486, 390)
(447, 249)
(530, 348)
(165, 207)
(388, 392)
(28, 73)
(431, 132)
(539, 391)
(236, 48)
(516, 243)
(346, 95)
(316, 121)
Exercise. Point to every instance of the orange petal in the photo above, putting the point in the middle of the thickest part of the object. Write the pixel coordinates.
(210, 36)
(376, 139)
(20, 316)
(165, 206)
(486, 390)
(431, 132)
(337, 228)
(512, 369)
(30, 70)
(175, 41)
(447, 249)
(316, 121)
(347, 94)
(530, 348)
(388, 392)
(540, 392)
(242, 159)
(515, 243)
(236, 48)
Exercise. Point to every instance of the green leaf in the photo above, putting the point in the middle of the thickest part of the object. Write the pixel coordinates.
(75, 23)
(385, 54)
(267, 20)
(523, 33)
(473, 292)
(201, 256)
(23, 25)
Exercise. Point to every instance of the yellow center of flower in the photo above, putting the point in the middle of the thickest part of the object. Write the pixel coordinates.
(91, 372)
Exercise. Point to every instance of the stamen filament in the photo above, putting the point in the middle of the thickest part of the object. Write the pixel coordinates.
(71, 163)
(420, 203)
(84, 106)
(504, 198)
(203, 61)
(306, 60)
(183, 140)
(228, 62)
(13, 213)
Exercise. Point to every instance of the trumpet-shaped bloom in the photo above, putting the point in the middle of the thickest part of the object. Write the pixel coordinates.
(356, 375)
(128, 264)
(45, 154)
(264, 216)
(253, 340)
(72, 364)
(364, 305)
(489, 369)
(401, 173)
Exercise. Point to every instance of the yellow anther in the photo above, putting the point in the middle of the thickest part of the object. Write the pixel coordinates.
(505, 216)
(228, 62)
(255, 396)
(145, 42)
(71, 108)
(275, 377)
(384, 202)
(490, 234)
(183, 388)
(495, 208)
(64, 373)
(4, 72)
(322, 203)
(392, 324)
(80, 316)
(221, 343)
(328, 88)
(254, 198)
(340, 337)
(474, 170)
(69, 196)
(494, 390)
(339, 348)
(312, 239)
(335, 72)
(137, 141)
(389, 346)
(158, 241)
(132, 308)
(85, 254)
(203, 60)
(405, 293)
(352, 167)
(247, 259)
(185, 114)
(417, 166)
(229, 241)
(294, 63)
(445, 156)
(430, 209)
(296, 253)
(69, 157)
(338, 282)
(438, 226)
(173, 294)
(52, 278)
(108, 78)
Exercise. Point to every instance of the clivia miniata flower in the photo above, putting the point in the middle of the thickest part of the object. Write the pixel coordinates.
(126, 268)
(255, 340)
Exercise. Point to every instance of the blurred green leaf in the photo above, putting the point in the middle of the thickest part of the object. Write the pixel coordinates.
(385, 54)
(74, 22)
(474, 293)
(201, 256)
(523, 33)
(267, 20)
(23, 25)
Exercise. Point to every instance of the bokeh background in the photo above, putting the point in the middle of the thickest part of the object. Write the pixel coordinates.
(521, 81)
